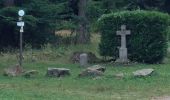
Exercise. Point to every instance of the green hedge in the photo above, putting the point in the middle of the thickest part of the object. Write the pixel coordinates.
(148, 40)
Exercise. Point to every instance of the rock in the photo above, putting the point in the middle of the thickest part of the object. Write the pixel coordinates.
(119, 75)
(97, 67)
(83, 59)
(57, 72)
(161, 98)
(13, 71)
(30, 74)
(143, 72)
(91, 73)
(75, 58)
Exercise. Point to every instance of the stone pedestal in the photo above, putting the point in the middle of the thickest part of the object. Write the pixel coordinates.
(83, 59)
(122, 56)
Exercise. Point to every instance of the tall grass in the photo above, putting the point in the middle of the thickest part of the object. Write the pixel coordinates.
(59, 53)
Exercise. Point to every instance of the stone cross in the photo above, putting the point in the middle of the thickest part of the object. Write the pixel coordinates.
(123, 50)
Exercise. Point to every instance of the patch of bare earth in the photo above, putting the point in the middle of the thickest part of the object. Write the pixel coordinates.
(161, 98)
(63, 32)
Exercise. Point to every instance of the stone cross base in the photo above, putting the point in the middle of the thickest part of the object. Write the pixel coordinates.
(122, 61)
(122, 56)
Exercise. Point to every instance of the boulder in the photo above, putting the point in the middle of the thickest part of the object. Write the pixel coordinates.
(161, 98)
(30, 73)
(119, 75)
(97, 67)
(93, 71)
(143, 72)
(13, 71)
(90, 73)
(57, 72)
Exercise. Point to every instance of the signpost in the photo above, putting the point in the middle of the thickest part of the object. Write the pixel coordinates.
(21, 13)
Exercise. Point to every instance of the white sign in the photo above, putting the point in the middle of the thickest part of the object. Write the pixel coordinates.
(21, 13)
(21, 24)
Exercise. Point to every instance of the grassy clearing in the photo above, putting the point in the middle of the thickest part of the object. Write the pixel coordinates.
(73, 88)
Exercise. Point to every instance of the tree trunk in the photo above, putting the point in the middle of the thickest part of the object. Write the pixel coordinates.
(8, 3)
(83, 35)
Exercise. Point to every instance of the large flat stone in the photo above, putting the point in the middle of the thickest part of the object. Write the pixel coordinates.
(90, 73)
(143, 72)
(93, 71)
(30, 73)
(57, 72)
(161, 98)
(97, 67)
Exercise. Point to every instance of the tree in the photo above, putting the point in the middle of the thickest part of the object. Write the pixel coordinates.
(40, 22)
(83, 35)
(73, 4)
(144, 4)
(79, 8)
(8, 2)
(166, 6)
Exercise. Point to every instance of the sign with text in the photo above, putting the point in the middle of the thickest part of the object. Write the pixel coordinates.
(21, 24)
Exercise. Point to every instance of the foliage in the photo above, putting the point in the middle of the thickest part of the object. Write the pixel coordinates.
(166, 7)
(147, 42)
(43, 17)
(97, 8)
(40, 22)
(144, 4)
(8, 33)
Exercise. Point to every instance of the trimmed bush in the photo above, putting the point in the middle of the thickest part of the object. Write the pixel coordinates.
(148, 40)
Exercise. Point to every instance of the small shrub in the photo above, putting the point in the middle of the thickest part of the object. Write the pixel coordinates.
(148, 40)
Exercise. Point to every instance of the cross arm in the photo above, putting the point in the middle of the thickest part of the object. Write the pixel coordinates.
(128, 32)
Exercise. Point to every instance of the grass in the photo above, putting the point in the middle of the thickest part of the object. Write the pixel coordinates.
(74, 88)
